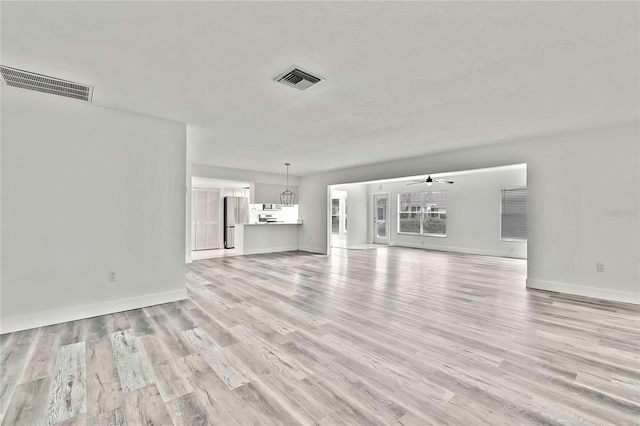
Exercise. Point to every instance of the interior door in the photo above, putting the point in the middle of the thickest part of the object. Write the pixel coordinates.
(381, 218)
(205, 219)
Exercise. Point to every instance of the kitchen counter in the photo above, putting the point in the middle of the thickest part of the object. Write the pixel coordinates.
(274, 223)
(266, 237)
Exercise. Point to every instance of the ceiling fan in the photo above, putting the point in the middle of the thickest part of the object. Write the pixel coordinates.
(429, 181)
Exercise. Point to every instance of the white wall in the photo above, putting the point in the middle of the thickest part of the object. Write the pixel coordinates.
(243, 175)
(88, 190)
(574, 180)
(269, 193)
(473, 212)
(357, 212)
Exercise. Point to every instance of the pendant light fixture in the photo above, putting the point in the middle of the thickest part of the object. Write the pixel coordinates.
(287, 198)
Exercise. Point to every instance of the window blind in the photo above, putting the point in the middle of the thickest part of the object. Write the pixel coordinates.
(514, 214)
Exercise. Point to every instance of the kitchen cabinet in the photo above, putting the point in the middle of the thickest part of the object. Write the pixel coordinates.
(255, 238)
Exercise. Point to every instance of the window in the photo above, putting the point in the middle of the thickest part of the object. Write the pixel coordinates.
(345, 216)
(423, 212)
(514, 214)
(434, 221)
(335, 216)
(409, 212)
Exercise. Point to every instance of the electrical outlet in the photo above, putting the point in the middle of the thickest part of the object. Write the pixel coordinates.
(600, 267)
(113, 276)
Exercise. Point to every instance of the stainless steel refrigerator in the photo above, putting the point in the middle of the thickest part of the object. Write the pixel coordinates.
(236, 211)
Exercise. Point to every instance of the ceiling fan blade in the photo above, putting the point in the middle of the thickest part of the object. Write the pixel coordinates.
(443, 181)
(415, 183)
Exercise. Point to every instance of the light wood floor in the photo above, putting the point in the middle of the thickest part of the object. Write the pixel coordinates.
(375, 337)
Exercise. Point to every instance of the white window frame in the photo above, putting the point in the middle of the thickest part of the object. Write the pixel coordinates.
(422, 212)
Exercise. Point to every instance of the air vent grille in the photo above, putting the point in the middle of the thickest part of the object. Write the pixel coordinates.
(295, 77)
(42, 83)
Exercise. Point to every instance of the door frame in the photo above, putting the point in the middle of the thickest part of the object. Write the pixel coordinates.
(373, 217)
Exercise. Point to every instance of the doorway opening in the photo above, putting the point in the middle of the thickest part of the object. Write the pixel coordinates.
(207, 214)
(339, 218)
(477, 211)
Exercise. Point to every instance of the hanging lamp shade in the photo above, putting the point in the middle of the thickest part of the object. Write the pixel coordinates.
(287, 198)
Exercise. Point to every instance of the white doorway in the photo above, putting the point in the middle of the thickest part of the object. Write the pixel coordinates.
(207, 213)
(381, 214)
(339, 218)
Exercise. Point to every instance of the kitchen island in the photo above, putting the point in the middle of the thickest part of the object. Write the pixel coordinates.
(270, 237)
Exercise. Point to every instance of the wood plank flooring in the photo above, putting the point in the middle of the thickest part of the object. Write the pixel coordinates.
(363, 337)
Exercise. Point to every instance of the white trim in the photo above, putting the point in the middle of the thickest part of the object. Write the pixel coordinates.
(56, 316)
(580, 290)
(422, 235)
(270, 250)
(461, 250)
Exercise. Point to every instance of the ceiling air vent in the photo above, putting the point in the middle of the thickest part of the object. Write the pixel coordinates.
(297, 78)
(42, 83)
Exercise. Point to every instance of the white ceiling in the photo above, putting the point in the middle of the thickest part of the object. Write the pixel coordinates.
(449, 175)
(402, 78)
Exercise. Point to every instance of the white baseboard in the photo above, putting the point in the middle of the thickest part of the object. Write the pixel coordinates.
(56, 316)
(270, 250)
(580, 290)
(461, 250)
(312, 249)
